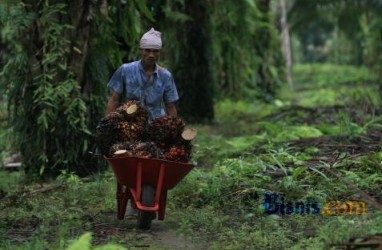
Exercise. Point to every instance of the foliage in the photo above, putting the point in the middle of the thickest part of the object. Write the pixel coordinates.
(5, 133)
(228, 110)
(374, 48)
(242, 126)
(219, 49)
(334, 85)
(239, 117)
(56, 218)
(298, 132)
(186, 28)
(40, 99)
(234, 187)
(224, 200)
(357, 35)
(245, 50)
(10, 181)
(58, 59)
(83, 243)
(56, 65)
(327, 75)
(220, 200)
(336, 31)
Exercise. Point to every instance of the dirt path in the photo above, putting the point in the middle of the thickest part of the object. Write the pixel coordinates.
(106, 228)
(162, 235)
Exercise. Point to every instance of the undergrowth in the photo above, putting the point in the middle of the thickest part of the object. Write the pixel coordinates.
(305, 147)
(250, 157)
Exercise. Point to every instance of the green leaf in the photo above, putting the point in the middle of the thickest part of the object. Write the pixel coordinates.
(42, 120)
(142, 7)
(42, 169)
(317, 171)
(110, 247)
(298, 171)
(83, 243)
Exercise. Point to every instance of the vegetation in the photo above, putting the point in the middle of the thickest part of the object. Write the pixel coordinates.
(56, 71)
(54, 77)
(289, 153)
(311, 145)
(274, 149)
(342, 32)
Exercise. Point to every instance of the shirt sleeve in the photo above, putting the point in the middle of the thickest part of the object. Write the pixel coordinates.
(116, 82)
(170, 91)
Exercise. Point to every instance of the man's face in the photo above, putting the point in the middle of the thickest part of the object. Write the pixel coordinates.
(150, 56)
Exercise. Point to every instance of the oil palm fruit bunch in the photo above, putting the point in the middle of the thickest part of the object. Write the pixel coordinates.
(134, 111)
(181, 150)
(132, 131)
(108, 132)
(177, 153)
(165, 129)
(127, 132)
(128, 146)
(147, 150)
(135, 118)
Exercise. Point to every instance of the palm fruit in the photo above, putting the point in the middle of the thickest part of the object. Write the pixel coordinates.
(128, 146)
(134, 111)
(147, 150)
(165, 129)
(132, 131)
(125, 133)
(135, 118)
(108, 132)
(181, 150)
(177, 153)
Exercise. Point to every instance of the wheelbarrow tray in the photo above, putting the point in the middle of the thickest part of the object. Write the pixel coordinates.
(126, 170)
(133, 173)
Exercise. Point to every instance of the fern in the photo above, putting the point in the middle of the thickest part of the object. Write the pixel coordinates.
(84, 243)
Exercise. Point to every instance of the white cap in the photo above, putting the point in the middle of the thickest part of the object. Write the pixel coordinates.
(151, 40)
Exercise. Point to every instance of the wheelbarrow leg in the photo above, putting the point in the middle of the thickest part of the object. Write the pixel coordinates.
(122, 198)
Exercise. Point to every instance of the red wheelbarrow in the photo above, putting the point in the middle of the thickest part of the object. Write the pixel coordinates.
(145, 182)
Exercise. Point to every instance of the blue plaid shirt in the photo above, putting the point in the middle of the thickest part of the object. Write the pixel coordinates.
(130, 81)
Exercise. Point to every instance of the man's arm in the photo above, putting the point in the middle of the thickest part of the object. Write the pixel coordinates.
(171, 109)
(113, 103)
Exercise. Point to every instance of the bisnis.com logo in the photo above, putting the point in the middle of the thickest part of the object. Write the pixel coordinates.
(274, 203)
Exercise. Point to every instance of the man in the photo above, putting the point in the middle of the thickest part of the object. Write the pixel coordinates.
(145, 81)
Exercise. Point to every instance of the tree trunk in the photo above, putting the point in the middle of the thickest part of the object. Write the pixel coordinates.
(192, 72)
(286, 48)
(267, 47)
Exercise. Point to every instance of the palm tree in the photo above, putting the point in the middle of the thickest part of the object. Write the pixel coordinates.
(59, 56)
(359, 21)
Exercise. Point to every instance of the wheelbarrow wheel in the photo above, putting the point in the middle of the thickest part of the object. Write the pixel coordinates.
(148, 199)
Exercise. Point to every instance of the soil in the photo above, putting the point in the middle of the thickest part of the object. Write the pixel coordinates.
(106, 228)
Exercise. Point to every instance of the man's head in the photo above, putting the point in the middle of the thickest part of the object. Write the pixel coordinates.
(151, 40)
(150, 47)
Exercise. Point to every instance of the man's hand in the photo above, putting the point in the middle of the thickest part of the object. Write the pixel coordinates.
(171, 109)
(113, 103)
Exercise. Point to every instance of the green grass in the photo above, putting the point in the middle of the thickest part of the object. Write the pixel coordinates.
(60, 213)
